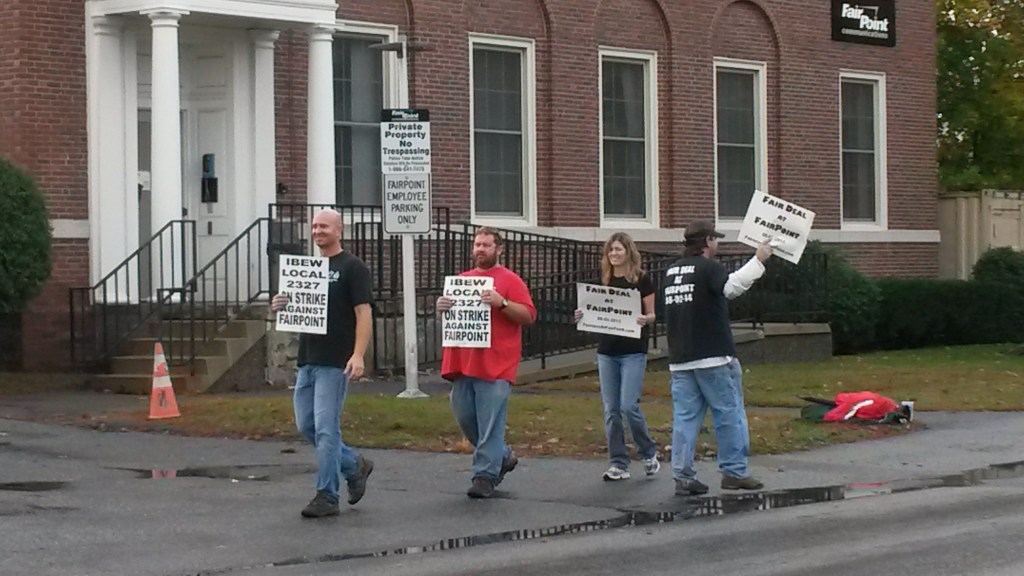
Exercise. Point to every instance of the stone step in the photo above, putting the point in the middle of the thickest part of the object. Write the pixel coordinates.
(142, 383)
(203, 365)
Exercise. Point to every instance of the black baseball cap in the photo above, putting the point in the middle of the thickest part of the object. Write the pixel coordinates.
(701, 229)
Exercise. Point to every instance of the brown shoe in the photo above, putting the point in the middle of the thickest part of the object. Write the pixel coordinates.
(746, 483)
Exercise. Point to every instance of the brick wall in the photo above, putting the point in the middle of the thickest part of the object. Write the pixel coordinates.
(792, 37)
(43, 110)
(43, 123)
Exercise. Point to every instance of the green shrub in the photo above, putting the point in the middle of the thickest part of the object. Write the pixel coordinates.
(25, 239)
(1000, 265)
(919, 313)
(852, 302)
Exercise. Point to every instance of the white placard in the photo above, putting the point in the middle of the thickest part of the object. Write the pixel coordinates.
(608, 310)
(468, 323)
(406, 203)
(304, 279)
(405, 147)
(784, 224)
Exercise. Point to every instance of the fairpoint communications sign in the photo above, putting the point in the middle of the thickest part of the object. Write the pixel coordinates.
(864, 22)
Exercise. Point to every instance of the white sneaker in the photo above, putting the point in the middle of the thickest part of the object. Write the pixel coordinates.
(615, 473)
(651, 465)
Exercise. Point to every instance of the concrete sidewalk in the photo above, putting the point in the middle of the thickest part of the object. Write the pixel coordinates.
(234, 504)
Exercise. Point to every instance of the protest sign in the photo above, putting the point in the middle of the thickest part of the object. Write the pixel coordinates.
(468, 323)
(304, 279)
(783, 224)
(608, 310)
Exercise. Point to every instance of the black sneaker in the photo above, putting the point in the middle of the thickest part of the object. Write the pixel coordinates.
(507, 466)
(690, 487)
(357, 485)
(745, 483)
(321, 505)
(481, 488)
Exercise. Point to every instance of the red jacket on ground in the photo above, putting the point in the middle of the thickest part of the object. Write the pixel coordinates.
(861, 405)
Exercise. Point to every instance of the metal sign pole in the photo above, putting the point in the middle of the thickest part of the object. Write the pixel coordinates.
(405, 162)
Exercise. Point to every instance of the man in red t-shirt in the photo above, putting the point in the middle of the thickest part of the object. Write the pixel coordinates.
(482, 377)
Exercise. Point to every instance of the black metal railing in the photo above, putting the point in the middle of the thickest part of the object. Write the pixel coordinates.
(105, 315)
(214, 296)
(550, 266)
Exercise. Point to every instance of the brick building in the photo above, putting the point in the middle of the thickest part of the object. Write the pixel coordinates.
(565, 117)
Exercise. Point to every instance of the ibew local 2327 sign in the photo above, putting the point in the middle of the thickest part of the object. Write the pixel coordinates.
(865, 21)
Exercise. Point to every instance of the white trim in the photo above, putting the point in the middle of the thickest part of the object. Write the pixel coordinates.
(595, 234)
(292, 11)
(395, 80)
(760, 70)
(877, 79)
(649, 60)
(70, 229)
(525, 46)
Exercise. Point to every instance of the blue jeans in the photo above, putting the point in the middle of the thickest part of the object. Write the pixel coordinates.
(693, 392)
(319, 397)
(622, 382)
(480, 408)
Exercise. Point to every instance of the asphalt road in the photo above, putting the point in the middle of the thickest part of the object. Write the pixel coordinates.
(947, 531)
(84, 502)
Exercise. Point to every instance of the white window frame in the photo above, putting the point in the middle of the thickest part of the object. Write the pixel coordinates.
(395, 81)
(649, 59)
(760, 70)
(881, 221)
(529, 114)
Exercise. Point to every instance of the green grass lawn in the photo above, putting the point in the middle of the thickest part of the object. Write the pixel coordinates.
(570, 422)
(538, 425)
(984, 377)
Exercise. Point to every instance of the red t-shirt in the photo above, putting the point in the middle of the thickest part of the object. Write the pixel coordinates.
(501, 360)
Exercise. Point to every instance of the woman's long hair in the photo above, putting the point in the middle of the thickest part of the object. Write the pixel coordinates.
(633, 264)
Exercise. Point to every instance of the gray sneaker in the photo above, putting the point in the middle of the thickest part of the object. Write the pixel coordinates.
(321, 505)
(651, 465)
(357, 485)
(692, 487)
(745, 483)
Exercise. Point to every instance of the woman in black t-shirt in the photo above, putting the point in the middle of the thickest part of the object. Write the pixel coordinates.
(622, 362)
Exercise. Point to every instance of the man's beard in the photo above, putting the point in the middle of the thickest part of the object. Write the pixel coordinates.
(484, 262)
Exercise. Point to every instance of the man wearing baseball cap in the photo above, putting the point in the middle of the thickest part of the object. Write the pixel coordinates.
(702, 358)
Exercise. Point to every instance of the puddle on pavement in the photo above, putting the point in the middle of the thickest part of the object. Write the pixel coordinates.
(31, 486)
(244, 473)
(690, 508)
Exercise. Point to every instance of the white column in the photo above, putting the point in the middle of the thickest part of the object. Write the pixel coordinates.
(111, 242)
(166, 114)
(165, 166)
(264, 133)
(320, 182)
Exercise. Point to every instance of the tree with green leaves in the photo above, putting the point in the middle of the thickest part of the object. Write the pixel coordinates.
(980, 45)
(25, 239)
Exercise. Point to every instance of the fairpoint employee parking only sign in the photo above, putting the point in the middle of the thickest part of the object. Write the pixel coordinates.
(405, 164)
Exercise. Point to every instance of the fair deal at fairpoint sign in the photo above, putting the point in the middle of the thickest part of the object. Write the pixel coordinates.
(608, 310)
(784, 225)
(468, 323)
(304, 279)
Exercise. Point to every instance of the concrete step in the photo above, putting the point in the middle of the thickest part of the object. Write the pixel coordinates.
(231, 347)
(131, 372)
(202, 365)
(179, 329)
(140, 383)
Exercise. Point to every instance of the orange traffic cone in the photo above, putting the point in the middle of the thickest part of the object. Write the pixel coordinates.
(162, 403)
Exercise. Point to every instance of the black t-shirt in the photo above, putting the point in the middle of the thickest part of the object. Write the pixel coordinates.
(696, 310)
(350, 286)
(610, 345)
